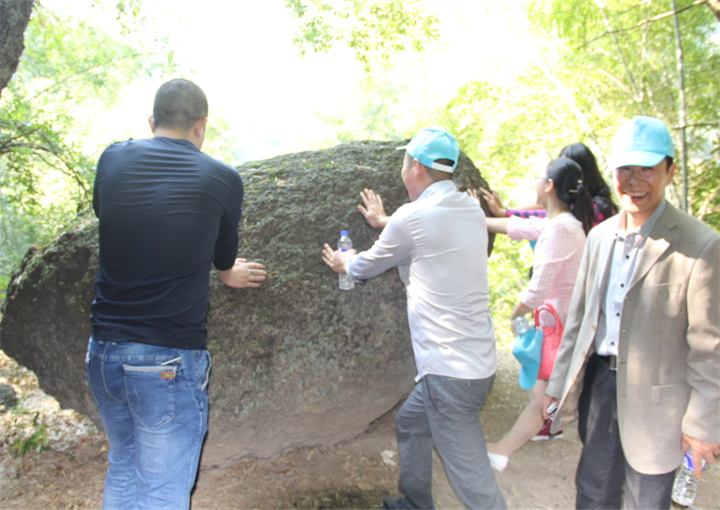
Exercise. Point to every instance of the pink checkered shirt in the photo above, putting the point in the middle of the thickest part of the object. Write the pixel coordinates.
(559, 248)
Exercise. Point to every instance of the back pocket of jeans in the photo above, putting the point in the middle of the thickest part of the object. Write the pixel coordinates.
(151, 393)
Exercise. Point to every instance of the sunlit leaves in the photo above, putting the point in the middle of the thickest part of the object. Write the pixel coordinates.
(67, 67)
(372, 28)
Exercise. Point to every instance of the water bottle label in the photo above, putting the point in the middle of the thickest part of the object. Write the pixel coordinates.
(688, 462)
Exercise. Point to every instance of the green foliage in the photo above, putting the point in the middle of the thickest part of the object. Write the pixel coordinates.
(37, 439)
(44, 181)
(67, 68)
(705, 189)
(492, 123)
(219, 141)
(372, 28)
(620, 60)
(375, 115)
(129, 13)
(30, 146)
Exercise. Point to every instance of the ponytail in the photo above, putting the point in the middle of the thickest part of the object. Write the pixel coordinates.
(583, 208)
(569, 187)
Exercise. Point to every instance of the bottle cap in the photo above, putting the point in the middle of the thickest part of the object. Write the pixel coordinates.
(344, 232)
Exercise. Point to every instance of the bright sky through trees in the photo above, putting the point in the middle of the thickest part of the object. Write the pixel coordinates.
(275, 101)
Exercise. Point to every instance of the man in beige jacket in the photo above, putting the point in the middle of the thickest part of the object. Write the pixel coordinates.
(640, 359)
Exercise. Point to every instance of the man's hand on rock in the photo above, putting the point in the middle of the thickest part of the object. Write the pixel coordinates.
(336, 259)
(373, 209)
(243, 274)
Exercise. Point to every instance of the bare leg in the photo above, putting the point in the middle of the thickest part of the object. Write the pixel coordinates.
(526, 426)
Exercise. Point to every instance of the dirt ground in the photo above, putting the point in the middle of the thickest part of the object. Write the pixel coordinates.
(353, 474)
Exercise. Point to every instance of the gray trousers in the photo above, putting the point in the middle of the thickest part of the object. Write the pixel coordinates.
(603, 470)
(443, 412)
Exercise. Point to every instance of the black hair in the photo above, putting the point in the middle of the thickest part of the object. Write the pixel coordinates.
(179, 104)
(592, 178)
(439, 175)
(571, 190)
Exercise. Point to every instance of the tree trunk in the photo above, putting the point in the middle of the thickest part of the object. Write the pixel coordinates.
(714, 7)
(682, 113)
(14, 17)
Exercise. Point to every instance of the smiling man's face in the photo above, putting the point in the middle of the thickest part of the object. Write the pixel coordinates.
(641, 189)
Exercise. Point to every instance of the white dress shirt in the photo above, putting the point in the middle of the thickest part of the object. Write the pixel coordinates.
(626, 252)
(439, 243)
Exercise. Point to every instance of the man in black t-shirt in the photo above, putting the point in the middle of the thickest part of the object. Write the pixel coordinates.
(167, 212)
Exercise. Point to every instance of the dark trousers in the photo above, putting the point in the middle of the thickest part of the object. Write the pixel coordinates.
(603, 470)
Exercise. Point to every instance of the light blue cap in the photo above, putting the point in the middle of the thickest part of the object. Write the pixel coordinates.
(641, 141)
(431, 144)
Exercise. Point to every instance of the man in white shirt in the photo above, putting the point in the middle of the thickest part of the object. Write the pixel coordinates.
(640, 357)
(439, 244)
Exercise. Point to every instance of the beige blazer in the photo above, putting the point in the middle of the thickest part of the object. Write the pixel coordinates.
(669, 352)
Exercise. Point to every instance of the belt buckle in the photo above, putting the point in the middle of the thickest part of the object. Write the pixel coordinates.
(613, 363)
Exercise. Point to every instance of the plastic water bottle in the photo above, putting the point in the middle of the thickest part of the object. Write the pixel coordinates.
(345, 281)
(686, 483)
(520, 325)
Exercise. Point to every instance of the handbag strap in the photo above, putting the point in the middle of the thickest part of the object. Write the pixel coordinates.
(547, 308)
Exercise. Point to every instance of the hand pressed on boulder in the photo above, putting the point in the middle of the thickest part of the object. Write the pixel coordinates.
(373, 209)
(243, 274)
(336, 259)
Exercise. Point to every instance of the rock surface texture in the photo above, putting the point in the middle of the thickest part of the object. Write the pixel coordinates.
(296, 362)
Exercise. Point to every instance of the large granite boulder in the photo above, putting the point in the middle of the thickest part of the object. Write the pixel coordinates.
(297, 362)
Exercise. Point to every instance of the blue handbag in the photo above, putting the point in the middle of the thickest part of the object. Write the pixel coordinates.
(527, 348)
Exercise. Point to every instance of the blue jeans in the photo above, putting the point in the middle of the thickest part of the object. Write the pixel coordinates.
(153, 403)
(444, 412)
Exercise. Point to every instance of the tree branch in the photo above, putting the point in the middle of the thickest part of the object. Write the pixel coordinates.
(702, 124)
(636, 92)
(652, 20)
(9, 141)
(27, 145)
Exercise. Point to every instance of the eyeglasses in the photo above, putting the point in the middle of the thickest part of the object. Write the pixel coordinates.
(627, 171)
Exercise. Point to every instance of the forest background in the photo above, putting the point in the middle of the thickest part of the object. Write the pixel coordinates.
(514, 81)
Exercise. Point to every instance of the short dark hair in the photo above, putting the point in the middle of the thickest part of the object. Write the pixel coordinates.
(439, 175)
(179, 104)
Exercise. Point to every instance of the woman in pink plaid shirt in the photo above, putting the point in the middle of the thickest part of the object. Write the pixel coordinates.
(560, 240)
(581, 154)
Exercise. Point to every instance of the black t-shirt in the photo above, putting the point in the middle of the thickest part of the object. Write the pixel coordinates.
(167, 212)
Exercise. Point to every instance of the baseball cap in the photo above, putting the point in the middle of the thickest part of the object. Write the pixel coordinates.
(431, 144)
(641, 141)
